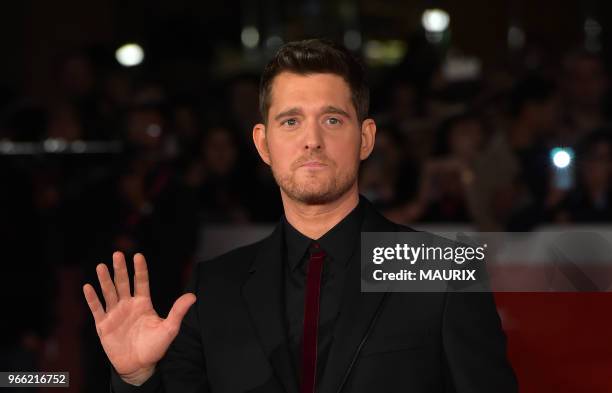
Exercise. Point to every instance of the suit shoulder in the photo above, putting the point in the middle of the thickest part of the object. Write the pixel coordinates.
(231, 259)
(234, 263)
(374, 221)
(404, 228)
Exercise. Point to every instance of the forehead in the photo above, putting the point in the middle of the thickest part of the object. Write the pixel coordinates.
(311, 90)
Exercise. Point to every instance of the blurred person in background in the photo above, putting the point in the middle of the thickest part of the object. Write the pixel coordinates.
(590, 200)
(78, 89)
(585, 83)
(115, 98)
(243, 96)
(388, 176)
(403, 108)
(221, 193)
(446, 179)
(512, 177)
(186, 126)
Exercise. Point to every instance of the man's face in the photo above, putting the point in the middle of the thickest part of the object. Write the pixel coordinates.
(313, 140)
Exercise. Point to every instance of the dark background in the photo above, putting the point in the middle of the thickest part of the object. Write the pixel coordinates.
(96, 157)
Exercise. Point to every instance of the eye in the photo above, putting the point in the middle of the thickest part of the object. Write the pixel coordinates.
(292, 122)
(334, 121)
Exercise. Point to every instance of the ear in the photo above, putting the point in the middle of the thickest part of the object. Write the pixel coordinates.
(259, 138)
(368, 137)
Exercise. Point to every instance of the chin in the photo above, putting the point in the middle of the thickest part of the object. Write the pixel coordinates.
(312, 198)
(315, 188)
(316, 193)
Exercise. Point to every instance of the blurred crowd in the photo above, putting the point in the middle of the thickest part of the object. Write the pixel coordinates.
(474, 150)
(481, 151)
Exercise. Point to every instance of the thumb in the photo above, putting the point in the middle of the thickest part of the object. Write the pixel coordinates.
(178, 311)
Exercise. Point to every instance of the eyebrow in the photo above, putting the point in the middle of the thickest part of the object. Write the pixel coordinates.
(289, 112)
(336, 110)
(295, 111)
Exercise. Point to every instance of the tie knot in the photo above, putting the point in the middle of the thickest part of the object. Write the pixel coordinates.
(316, 252)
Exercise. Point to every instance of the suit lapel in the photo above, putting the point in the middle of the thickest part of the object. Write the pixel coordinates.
(356, 311)
(262, 292)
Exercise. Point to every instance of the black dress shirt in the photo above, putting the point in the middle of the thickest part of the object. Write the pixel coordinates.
(338, 243)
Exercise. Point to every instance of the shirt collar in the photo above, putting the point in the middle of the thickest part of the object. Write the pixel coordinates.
(338, 243)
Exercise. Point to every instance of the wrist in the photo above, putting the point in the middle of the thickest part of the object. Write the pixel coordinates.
(138, 377)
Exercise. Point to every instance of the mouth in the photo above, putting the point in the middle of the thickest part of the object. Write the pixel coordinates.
(313, 165)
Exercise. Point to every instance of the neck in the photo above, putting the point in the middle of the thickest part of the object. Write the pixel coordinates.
(315, 220)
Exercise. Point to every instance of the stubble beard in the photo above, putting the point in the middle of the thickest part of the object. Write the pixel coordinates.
(316, 190)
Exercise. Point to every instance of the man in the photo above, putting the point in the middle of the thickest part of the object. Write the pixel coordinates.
(266, 318)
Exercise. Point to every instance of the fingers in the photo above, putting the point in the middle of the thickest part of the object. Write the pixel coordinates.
(141, 276)
(178, 311)
(93, 302)
(108, 288)
(122, 282)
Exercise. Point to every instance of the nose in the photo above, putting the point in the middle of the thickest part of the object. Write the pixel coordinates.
(313, 138)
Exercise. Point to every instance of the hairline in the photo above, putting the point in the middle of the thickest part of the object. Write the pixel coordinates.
(266, 93)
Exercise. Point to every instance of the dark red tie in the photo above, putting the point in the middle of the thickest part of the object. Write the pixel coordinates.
(311, 319)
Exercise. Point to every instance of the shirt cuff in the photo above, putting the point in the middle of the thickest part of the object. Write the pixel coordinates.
(151, 385)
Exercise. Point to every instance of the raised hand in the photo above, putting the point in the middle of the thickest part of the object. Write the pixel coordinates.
(133, 336)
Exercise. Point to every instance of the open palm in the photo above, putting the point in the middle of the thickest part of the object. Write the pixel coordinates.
(133, 336)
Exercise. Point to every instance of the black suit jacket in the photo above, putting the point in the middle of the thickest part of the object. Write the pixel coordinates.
(233, 339)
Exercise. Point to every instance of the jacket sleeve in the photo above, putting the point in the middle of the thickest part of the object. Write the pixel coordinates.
(182, 369)
(475, 345)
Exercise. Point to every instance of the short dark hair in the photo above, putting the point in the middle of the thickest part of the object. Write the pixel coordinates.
(316, 56)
